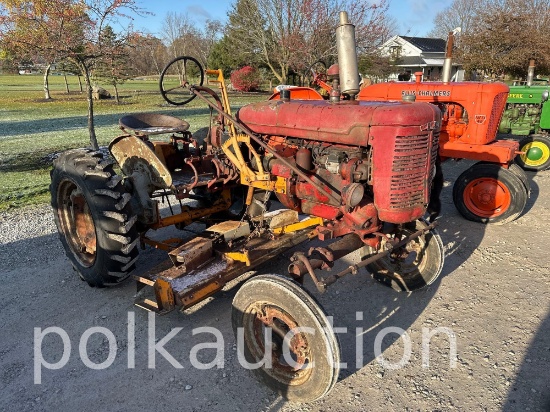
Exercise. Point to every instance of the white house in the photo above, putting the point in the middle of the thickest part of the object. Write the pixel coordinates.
(419, 54)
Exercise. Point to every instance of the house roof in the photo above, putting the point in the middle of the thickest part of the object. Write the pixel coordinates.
(417, 61)
(426, 44)
(411, 61)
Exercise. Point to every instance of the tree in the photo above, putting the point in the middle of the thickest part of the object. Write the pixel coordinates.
(224, 55)
(508, 33)
(7, 63)
(460, 13)
(246, 79)
(377, 66)
(64, 29)
(183, 38)
(146, 55)
(112, 67)
(180, 34)
(293, 34)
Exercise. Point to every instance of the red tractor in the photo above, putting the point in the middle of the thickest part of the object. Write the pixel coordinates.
(360, 172)
(494, 190)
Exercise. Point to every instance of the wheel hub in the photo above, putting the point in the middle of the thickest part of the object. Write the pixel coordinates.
(534, 154)
(487, 197)
(282, 326)
(77, 223)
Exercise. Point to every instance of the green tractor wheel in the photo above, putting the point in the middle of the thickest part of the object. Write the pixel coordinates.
(537, 153)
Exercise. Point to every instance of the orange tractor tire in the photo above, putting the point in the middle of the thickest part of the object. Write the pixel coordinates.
(490, 193)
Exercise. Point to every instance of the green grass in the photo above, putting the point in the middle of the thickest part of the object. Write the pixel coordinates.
(32, 128)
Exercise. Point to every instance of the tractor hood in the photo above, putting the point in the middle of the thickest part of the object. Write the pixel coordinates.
(346, 122)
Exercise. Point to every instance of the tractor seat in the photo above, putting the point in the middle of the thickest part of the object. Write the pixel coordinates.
(145, 124)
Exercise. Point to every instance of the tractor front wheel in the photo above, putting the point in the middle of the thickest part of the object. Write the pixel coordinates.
(93, 217)
(412, 267)
(537, 153)
(489, 193)
(285, 337)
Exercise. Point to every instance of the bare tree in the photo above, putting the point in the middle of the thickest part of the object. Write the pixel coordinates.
(508, 33)
(460, 13)
(147, 55)
(285, 35)
(180, 33)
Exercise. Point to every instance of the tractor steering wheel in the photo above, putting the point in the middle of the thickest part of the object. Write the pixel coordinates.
(317, 72)
(177, 78)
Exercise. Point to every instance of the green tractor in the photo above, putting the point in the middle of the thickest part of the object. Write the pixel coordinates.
(527, 114)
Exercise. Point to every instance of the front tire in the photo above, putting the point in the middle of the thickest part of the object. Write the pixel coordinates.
(537, 153)
(280, 305)
(93, 217)
(489, 193)
(416, 265)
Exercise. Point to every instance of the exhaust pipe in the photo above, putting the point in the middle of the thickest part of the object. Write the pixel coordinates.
(530, 72)
(448, 63)
(347, 57)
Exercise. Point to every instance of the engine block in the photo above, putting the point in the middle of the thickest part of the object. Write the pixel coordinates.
(377, 157)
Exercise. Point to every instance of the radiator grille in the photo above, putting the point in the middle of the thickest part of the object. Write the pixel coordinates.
(496, 114)
(411, 166)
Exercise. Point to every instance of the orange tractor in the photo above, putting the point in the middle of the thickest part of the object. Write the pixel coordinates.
(494, 190)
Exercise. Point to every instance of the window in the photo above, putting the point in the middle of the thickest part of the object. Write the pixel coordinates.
(395, 52)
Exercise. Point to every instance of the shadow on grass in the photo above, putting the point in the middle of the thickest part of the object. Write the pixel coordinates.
(60, 124)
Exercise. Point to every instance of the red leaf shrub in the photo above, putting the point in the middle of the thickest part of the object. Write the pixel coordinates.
(246, 79)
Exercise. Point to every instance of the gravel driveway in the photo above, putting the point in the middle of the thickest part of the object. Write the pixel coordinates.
(494, 295)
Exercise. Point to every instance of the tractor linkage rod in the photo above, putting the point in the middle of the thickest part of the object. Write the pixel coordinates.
(246, 131)
(303, 265)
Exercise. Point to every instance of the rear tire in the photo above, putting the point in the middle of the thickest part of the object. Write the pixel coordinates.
(93, 217)
(537, 156)
(489, 193)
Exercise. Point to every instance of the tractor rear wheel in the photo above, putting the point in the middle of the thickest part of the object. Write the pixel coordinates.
(93, 217)
(537, 153)
(489, 193)
(416, 265)
(303, 359)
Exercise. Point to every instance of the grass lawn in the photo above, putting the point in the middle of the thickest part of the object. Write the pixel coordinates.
(32, 128)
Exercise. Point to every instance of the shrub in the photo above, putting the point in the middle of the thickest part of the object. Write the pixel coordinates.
(246, 79)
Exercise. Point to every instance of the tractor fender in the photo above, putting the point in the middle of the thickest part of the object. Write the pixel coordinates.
(138, 160)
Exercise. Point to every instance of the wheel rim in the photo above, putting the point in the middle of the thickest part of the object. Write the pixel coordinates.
(536, 154)
(77, 223)
(262, 315)
(407, 261)
(487, 197)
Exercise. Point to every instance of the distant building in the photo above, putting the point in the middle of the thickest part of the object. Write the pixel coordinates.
(418, 54)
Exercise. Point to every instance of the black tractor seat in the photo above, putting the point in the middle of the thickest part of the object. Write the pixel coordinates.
(146, 124)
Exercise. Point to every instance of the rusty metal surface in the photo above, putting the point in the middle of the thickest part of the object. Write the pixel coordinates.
(267, 315)
(393, 249)
(134, 156)
(164, 295)
(192, 254)
(189, 215)
(191, 288)
(151, 124)
(245, 129)
(77, 224)
(231, 229)
(323, 258)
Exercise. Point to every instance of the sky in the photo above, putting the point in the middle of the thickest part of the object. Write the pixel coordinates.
(414, 17)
